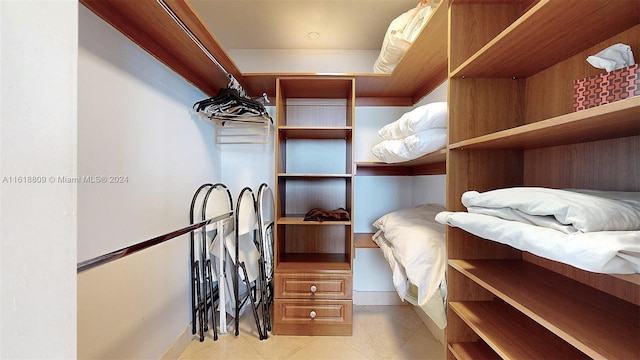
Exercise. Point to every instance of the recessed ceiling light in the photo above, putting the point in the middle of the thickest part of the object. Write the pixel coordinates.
(313, 35)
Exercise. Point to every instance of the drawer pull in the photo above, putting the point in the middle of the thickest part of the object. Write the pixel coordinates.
(313, 288)
(312, 314)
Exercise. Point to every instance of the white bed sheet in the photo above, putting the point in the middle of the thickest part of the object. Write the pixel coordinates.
(563, 210)
(591, 230)
(414, 245)
(435, 306)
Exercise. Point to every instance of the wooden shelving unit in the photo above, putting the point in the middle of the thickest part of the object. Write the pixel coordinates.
(510, 65)
(314, 169)
(429, 164)
(148, 25)
(511, 123)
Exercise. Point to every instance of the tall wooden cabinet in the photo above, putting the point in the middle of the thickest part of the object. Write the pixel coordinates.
(511, 69)
(314, 169)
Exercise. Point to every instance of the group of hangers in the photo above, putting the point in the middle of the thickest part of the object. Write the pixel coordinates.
(232, 103)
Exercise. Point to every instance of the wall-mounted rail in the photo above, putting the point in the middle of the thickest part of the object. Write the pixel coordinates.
(118, 254)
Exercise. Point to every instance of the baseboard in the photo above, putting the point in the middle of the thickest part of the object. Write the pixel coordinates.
(177, 348)
(377, 298)
(431, 326)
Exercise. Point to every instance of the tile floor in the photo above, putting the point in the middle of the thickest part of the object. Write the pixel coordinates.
(379, 332)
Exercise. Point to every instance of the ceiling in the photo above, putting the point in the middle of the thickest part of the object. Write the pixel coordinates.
(286, 24)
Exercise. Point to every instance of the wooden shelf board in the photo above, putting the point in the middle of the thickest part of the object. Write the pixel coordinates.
(299, 220)
(300, 132)
(317, 176)
(563, 28)
(596, 323)
(472, 350)
(430, 164)
(622, 119)
(313, 262)
(363, 241)
(504, 329)
(148, 25)
(326, 87)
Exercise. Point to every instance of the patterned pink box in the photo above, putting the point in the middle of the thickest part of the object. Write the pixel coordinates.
(606, 88)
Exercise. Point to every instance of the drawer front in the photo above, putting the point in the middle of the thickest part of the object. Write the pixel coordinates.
(313, 317)
(313, 286)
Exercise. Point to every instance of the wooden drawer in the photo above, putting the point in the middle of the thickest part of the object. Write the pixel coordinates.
(313, 317)
(313, 286)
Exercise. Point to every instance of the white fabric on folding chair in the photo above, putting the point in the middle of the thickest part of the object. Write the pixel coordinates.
(266, 218)
(218, 202)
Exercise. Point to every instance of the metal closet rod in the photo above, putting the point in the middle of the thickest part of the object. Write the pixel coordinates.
(233, 82)
(118, 254)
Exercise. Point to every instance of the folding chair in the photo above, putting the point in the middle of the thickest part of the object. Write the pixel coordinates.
(247, 256)
(198, 303)
(266, 219)
(217, 201)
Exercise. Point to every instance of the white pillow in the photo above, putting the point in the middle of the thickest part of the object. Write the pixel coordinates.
(411, 147)
(400, 34)
(419, 20)
(429, 116)
(393, 48)
(418, 243)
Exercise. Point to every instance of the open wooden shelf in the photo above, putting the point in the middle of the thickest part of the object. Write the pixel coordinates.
(562, 28)
(503, 329)
(622, 119)
(299, 220)
(312, 176)
(149, 26)
(577, 313)
(472, 350)
(363, 241)
(305, 132)
(429, 164)
(302, 262)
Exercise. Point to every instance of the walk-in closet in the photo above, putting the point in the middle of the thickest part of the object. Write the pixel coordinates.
(366, 179)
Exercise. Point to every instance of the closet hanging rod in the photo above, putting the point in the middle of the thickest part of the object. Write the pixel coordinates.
(233, 81)
(118, 254)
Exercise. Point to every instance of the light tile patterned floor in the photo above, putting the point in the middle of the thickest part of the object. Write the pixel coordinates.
(379, 332)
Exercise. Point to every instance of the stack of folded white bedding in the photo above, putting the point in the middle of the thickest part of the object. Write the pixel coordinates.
(597, 231)
(400, 34)
(414, 245)
(415, 133)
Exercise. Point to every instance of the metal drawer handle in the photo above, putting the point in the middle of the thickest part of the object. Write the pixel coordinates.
(313, 288)
(312, 314)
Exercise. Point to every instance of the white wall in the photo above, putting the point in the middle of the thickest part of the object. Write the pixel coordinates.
(249, 165)
(134, 121)
(37, 220)
(424, 187)
(378, 195)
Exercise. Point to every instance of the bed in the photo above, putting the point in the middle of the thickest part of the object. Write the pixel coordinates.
(413, 244)
(418, 132)
(597, 231)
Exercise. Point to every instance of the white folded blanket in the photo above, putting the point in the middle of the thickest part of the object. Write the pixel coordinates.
(562, 210)
(612, 252)
(592, 230)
